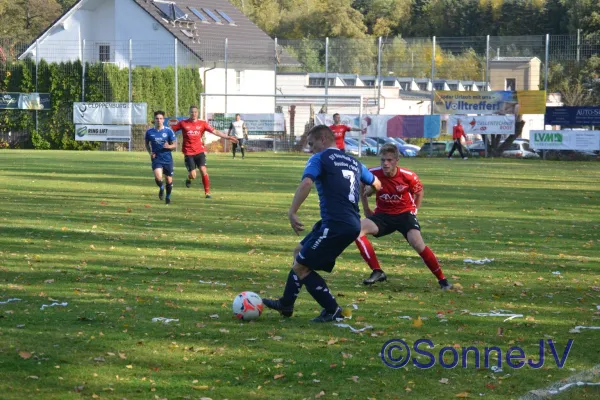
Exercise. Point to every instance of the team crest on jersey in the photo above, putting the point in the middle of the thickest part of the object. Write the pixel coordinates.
(164, 135)
(400, 188)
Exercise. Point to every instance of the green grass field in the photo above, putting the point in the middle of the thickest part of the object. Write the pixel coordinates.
(87, 228)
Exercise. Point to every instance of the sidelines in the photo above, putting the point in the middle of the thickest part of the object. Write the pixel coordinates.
(581, 379)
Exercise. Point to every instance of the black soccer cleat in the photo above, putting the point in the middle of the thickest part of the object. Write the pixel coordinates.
(329, 317)
(376, 276)
(445, 285)
(161, 194)
(208, 196)
(188, 183)
(168, 201)
(275, 304)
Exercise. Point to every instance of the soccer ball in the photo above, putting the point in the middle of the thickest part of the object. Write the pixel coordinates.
(247, 306)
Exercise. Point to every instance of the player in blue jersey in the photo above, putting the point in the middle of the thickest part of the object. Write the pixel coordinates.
(337, 177)
(160, 142)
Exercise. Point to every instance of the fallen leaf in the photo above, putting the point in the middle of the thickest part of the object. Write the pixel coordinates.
(49, 281)
(201, 387)
(33, 377)
(122, 356)
(518, 284)
(355, 379)
(25, 355)
(463, 395)
(223, 330)
(276, 338)
(147, 206)
(95, 396)
(417, 323)
(321, 394)
(331, 341)
(129, 366)
(278, 376)
(444, 381)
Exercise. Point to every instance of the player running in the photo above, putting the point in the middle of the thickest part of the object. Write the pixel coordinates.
(337, 177)
(339, 130)
(396, 210)
(160, 142)
(193, 149)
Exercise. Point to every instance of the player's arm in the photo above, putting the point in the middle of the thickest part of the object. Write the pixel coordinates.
(245, 129)
(230, 128)
(364, 199)
(300, 196)
(171, 143)
(148, 147)
(416, 187)
(220, 134)
(418, 199)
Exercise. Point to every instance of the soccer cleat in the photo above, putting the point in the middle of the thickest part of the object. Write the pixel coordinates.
(449, 158)
(188, 183)
(329, 317)
(465, 158)
(376, 276)
(275, 304)
(161, 194)
(168, 201)
(445, 285)
(208, 196)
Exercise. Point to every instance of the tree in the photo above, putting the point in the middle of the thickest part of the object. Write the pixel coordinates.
(24, 20)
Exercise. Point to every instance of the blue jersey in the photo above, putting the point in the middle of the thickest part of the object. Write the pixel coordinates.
(157, 139)
(337, 177)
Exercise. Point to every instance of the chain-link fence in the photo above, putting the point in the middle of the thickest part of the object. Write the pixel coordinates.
(171, 76)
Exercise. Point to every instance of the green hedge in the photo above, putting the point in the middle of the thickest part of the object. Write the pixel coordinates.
(103, 82)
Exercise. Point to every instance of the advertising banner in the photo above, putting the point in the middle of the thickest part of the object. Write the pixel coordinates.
(110, 113)
(492, 102)
(572, 116)
(483, 124)
(256, 123)
(24, 101)
(565, 140)
(103, 133)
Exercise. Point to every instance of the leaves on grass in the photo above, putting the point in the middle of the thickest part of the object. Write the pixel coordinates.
(462, 395)
(320, 394)
(444, 381)
(25, 355)
(278, 376)
(417, 323)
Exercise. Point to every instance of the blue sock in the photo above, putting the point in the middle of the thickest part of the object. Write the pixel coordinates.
(292, 289)
(318, 289)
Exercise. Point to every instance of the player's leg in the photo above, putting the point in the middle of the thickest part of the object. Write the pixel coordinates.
(168, 170)
(243, 148)
(412, 232)
(158, 178)
(376, 226)
(452, 150)
(204, 173)
(191, 167)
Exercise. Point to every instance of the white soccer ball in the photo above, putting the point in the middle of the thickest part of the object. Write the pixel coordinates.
(247, 306)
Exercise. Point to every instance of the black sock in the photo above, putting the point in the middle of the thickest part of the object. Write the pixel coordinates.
(318, 289)
(243, 152)
(169, 188)
(159, 183)
(292, 289)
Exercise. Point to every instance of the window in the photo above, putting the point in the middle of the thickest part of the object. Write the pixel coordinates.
(453, 86)
(320, 82)
(212, 15)
(226, 17)
(350, 82)
(468, 87)
(439, 86)
(422, 86)
(369, 83)
(525, 146)
(511, 84)
(389, 83)
(171, 10)
(238, 80)
(104, 52)
(198, 14)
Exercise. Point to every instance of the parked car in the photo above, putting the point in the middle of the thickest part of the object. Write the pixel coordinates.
(366, 147)
(403, 143)
(406, 150)
(520, 149)
(441, 147)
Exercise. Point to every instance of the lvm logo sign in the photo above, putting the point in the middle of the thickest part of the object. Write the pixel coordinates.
(549, 138)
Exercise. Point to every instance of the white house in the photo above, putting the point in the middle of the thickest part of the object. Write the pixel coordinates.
(147, 33)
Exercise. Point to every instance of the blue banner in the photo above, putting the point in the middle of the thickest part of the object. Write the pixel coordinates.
(572, 116)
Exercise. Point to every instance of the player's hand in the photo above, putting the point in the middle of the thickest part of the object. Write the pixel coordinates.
(368, 190)
(297, 226)
(153, 155)
(368, 212)
(233, 139)
(166, 145)
(376, 184)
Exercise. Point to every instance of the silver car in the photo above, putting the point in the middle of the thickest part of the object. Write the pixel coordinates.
(520, 149)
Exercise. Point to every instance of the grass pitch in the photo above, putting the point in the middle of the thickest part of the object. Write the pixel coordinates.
(87, 228)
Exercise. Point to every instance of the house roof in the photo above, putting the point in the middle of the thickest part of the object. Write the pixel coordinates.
(514, 59)
(246, 42)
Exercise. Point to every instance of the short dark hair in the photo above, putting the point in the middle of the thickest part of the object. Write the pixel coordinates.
(193, 106)
(321, 131)
(390, 148)
(159, 113)
(238, 115)
(336, 114)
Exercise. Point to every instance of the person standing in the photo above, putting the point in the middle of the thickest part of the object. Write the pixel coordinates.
(339, 130)
(239, 130)
(160, 142)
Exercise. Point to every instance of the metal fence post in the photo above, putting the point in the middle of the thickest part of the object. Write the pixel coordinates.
(487, 62)
(378, 76)
(546, 66)
(83, 71)
(326, 74)
(432, 89)
(130, 72)
(360, 113)
(226, 46)
(578, 45)
(276, 61)
(176, 81)
(37, 62)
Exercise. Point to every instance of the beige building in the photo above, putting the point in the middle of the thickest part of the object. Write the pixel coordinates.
(515, 73)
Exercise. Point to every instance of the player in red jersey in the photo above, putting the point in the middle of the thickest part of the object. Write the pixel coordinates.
(396, 210)
(339, 130)
(193, 149)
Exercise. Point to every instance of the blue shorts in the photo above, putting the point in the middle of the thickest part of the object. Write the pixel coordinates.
(322, 246)
(167, 167)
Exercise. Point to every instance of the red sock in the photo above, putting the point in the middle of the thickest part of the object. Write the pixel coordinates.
(366, 251)
(432, 263)
(206, 183)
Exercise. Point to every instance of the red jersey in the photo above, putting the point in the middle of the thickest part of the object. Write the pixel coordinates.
(397, 194)
(192, 135)
(457, 132)
(340, 134)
